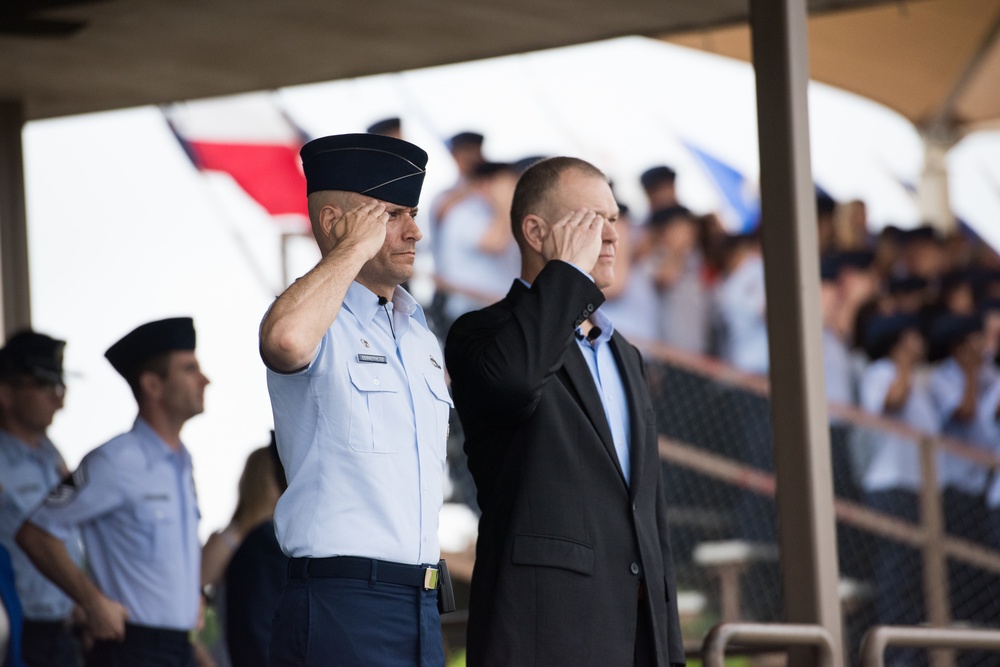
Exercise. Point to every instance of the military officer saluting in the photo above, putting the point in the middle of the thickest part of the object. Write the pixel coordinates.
(361, 416)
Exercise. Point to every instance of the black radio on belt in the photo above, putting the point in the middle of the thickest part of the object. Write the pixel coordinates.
(446, 594)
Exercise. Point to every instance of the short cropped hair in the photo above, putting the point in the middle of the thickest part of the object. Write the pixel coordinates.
(535, 185)
(159, 365)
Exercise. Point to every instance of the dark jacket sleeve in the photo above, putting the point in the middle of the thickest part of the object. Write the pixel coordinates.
(502, 357)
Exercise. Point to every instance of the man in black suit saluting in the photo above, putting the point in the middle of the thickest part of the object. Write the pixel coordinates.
(573, 562)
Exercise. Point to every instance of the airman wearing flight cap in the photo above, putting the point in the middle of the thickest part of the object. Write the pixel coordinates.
(31, 392)
(361, 419)
(133, 499)
(894, 384)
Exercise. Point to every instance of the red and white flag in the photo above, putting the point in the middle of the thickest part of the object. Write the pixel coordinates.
(250, 138)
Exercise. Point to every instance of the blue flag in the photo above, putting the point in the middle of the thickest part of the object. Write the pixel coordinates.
(740, 200)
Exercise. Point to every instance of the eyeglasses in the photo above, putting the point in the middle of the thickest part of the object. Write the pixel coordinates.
(58, 389)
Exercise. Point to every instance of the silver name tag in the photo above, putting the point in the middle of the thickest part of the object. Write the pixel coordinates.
(371, 359)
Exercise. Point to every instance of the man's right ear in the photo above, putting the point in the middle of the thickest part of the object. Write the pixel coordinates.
(328, 216)
(534, 229)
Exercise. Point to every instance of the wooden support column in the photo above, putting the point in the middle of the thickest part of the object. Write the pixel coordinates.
(15, 291)
(807, 529)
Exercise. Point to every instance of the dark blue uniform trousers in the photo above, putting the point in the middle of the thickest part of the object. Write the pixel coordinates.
(143, 647)
(353, 623)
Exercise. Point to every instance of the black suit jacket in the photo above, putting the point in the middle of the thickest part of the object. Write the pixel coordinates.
(564, 542)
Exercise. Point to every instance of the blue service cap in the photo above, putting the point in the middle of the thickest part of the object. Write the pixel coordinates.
(35, 354)
(150, 340)
(380, 167)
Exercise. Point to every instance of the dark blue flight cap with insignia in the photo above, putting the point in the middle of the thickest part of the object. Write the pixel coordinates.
(384, 168)
(150, 340)
(35, 354)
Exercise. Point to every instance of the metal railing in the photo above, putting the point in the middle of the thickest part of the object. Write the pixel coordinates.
(772, 635)
(929, 535)
(879, 637)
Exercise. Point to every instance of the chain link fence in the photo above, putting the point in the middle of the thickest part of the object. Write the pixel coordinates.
(715, 429)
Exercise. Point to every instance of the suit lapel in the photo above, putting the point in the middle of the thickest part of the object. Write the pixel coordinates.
(582, 382)
(635, 384)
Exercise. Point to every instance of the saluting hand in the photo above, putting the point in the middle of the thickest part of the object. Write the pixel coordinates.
(576, 239)
(106, 619)
(363, 226)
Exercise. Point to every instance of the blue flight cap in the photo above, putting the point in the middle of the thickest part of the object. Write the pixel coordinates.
(907, 284)
(34, 354)
(829, 266)
(463, 139)
(991, 305)
(656, 175)
(380, 167)
(949, 330)
(386, 126)
(924, 233)
(883, 332)
(669, 215)
(150, 340)
(825, 203)
(524, 163)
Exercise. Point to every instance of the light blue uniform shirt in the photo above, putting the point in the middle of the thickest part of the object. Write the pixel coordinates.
(837, 369)
(362, 435)
(27, 474)
(611, 389)
(134, 501)
(895, 463)
(988, 425)
(947, 385)
(740, 299)
(462, 263)
(635, 310)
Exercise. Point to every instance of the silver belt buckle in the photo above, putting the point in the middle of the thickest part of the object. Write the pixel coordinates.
(430, 579)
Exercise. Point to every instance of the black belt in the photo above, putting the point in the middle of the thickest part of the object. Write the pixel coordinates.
(367, 569)
(148, 634)
(47, 627)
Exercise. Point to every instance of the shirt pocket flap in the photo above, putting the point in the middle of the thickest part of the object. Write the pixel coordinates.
(439, 388)
(553, 552)
(373, 377)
